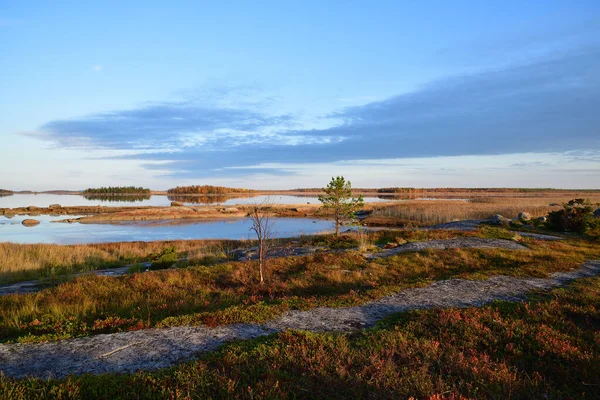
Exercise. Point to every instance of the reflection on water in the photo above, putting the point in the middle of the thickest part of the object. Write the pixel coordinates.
(117, 198)
(11, 230)
(44, 200)
(209, 199)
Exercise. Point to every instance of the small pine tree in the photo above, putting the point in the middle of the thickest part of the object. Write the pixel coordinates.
(338, 198)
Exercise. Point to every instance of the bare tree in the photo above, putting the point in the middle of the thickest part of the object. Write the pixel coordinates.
(263, 225)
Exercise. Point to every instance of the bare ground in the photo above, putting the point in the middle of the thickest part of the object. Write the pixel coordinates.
(160, 348)
(456, 243)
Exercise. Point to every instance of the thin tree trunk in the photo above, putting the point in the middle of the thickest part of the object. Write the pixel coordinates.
(260, 261)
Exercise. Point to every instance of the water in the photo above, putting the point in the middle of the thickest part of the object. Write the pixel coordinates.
(11, 230)
(44, 200)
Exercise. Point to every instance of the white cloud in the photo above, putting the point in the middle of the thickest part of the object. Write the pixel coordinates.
(97, 68)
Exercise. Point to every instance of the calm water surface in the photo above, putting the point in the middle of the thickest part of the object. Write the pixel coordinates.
(44, 200)
(11, 230)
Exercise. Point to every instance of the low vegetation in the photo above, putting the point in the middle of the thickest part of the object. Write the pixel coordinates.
(575, 216)
(215, 291)
(116, 190)
(547, 347)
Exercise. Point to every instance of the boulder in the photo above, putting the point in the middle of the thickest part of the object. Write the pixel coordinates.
(32, 208)
(176, 204)
(230, 210)
(498, 220)
(30, 222)
(524, 217)
(54, 206)
(597, 213)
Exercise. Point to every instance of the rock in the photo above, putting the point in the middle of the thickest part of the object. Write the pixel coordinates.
(230, 210)
(498, 220)
(30, 222)
(176, 204)
(597, 213)
(524, 216)
(540, 220)
(32, 208)
(54, 206)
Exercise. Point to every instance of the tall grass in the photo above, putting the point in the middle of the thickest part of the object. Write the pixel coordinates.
(32, 261)
(423, 212)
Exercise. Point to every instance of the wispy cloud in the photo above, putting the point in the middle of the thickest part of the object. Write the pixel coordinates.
(545, 106)
(97, 68)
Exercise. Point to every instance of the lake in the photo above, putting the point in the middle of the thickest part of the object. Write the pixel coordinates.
(44, 200)
(11, 230)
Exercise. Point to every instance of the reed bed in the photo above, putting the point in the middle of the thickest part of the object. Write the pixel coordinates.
(424, 212)
(20, 262)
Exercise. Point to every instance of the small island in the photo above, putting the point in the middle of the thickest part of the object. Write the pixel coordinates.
(207, 190)
(117, 191)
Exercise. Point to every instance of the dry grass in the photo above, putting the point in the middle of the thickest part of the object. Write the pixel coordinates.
(32, 261)
(423, 212)
(228, 292)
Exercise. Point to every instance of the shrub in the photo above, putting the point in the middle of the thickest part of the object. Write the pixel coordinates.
(164, 259)
(575, 216)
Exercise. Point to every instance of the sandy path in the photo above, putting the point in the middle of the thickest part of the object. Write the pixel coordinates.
(159, 348)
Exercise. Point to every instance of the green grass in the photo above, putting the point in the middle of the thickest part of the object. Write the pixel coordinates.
(547, 347)
(228, 291)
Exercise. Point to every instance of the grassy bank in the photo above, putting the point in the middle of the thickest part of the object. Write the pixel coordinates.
(228, 293)
(20, 262)
(421, 212)
(547, 347)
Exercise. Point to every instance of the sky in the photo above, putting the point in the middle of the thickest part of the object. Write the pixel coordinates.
(281, 95)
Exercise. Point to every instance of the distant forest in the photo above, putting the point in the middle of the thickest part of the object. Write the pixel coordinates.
(402, 190)
(116, 190)
(129, 198)
(412, 190)
(207, 189)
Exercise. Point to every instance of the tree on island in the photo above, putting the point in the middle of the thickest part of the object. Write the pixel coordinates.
(117, 190)
(338, 198)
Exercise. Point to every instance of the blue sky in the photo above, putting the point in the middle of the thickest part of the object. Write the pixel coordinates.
(279, 95)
